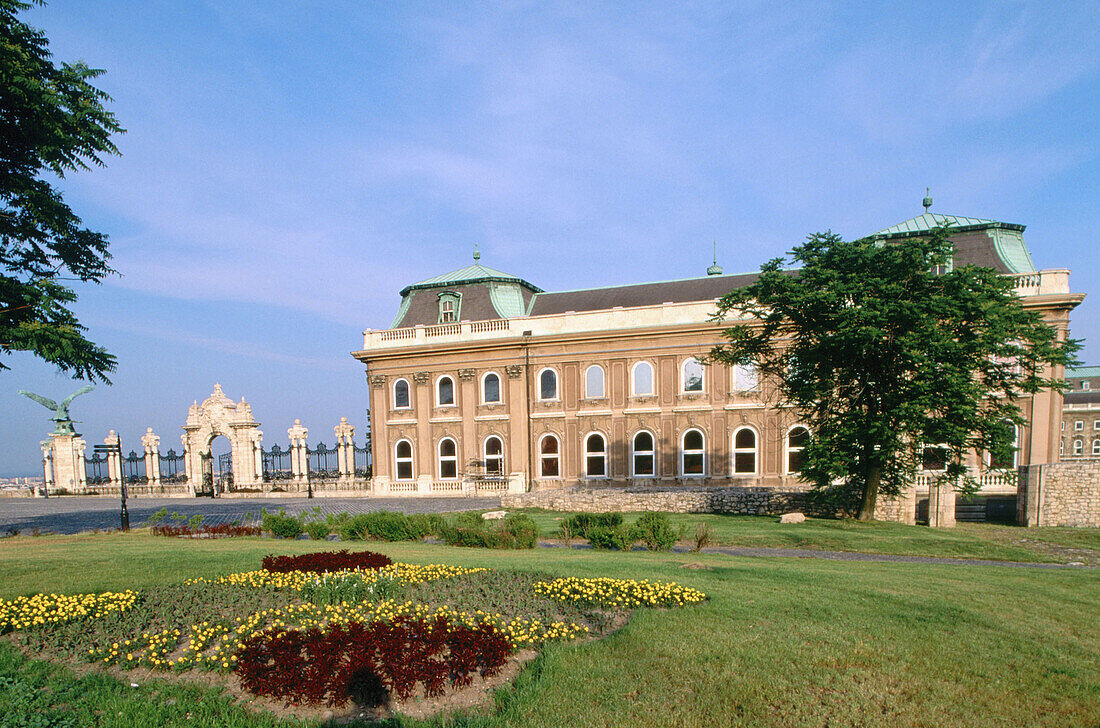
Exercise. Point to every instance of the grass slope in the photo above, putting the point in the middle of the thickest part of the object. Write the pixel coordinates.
(968, 540)
(782, 642)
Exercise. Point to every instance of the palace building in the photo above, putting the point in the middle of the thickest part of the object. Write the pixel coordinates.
(487, 381)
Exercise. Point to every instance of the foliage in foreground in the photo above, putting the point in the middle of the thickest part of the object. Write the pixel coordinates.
(53, 122)
(883, 349)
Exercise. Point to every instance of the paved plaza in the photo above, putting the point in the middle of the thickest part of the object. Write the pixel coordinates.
(73, 514)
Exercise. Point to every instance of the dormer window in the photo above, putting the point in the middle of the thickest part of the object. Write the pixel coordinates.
(448, 307)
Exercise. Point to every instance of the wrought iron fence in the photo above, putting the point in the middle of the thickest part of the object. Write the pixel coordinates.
(133, 468)
(172, 469)
(96, 470)
(276, 463)
(323, 462)
(362, 462)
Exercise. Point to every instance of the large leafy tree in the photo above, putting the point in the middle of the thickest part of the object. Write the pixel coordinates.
(883, 349)
(52, 122)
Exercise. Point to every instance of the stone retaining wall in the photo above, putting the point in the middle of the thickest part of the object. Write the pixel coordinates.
(1060, 494)
(744, 500)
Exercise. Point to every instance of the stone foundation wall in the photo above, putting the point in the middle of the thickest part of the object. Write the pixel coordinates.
(1060, 494)
(743, 500)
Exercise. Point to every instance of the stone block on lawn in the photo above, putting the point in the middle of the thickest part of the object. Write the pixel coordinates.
(792, 518)
(494, 515)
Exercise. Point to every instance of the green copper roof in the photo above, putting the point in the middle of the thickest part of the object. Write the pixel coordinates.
(931, 220)
(507, 299)
(476, 273)
(1083, 372)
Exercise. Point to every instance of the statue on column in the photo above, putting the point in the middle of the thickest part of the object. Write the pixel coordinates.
(60, 411)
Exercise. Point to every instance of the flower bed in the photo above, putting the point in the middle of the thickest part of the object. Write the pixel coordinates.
(325, 561)
(221, 529)
(620, 593)
(299, 636)
(314, 665)
(42, 609)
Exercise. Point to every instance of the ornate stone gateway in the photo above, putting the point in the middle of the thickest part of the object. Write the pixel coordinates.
(220, 415)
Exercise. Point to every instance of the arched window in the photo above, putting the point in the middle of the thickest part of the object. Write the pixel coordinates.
(691, 376)
(744, 378)
(448, 307)
(494, 456)
(692, 453)
(595, 456)
(744, 451)
(1062, 448)
(1078, 446)
(445, 392)
(549, 457)
(797, 439)
(1096, 446)
(448, 459)
(548, 384)
(490, 388)
(641, 379)
(643, 455)
(593, 382)
(403, 460)
(401, 394)
(1006, 459)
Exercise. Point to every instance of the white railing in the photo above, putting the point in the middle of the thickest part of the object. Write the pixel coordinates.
(443, 330)
(989, 480)
(397, 334)
(403, 486)
(1042, 283)
(478, 327)
(446, 486)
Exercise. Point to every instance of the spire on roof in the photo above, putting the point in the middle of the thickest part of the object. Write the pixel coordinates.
(715, 270)
(927, 201)
(477, 253)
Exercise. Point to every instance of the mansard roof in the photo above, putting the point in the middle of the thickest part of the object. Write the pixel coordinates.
(705, 288)
(990, 243)
(476, 273)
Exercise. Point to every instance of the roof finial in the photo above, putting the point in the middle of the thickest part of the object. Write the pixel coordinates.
(715, 270)
(477, 253)
(927, 201)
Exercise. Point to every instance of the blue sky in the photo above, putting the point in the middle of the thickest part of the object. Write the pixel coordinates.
(289, 167)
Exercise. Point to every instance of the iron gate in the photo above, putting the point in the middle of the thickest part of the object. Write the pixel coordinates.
(276, 464)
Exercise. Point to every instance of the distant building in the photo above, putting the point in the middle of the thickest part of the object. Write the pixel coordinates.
(486, 378)
(1081, 415)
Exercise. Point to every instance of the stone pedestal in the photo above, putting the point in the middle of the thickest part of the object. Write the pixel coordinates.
(298, 463)
(345, 448)
(64, 463)
(941, 505)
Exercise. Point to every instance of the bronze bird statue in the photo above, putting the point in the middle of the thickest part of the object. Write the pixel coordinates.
(60, 411)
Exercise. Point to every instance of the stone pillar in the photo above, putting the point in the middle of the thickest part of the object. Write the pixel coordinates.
(298, 462)
(47, 465)
(79, 447)
(64, 459)
(151, 443)
(345, 444)
(188, 468)
(258, 458)
(941, 505)
(114, 460)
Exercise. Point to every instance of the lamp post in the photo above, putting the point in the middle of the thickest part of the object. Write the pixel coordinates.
(124, 515)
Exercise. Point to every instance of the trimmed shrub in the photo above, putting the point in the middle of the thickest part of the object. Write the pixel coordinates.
(516, 531)
(390, 526)
(363, 660)
(656, 531)
(426, 524)
(318, 530)
(324, 561)
(281, 525)
(581, 524)
(611, 538)
(523, 530)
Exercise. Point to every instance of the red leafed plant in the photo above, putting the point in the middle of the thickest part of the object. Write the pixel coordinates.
(327, 561)
(366, 661)
(221, 529)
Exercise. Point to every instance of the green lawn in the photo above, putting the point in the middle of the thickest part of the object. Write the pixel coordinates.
(968, 540)
(782, 642)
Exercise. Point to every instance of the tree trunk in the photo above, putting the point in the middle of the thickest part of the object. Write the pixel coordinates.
(870, 493)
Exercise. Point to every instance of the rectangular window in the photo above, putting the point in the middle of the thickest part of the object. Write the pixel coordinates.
(1079, 425)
